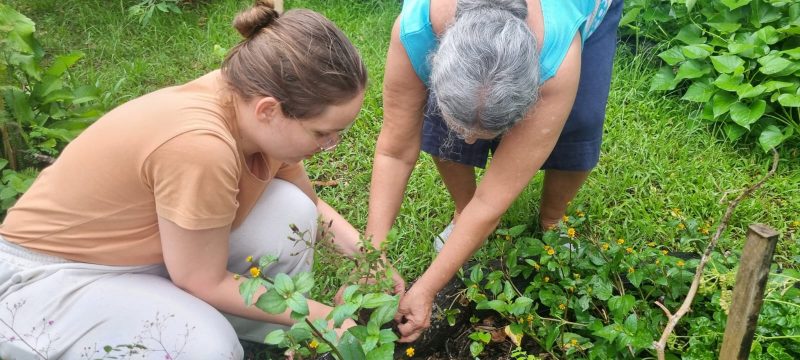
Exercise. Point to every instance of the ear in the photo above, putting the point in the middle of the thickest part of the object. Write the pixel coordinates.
(267, 108)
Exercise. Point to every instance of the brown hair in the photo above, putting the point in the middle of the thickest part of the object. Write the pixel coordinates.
(300, 58)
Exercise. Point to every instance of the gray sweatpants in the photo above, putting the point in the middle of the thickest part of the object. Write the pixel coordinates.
(53, 308)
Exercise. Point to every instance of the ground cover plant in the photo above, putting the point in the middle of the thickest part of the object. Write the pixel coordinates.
(658, 155)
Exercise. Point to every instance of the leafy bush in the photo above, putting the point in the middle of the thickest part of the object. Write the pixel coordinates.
(739, 58)
(576, 297)
(146, 8)
(41, 107)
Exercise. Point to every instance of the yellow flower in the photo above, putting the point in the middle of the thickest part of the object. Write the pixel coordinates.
(546, 279)
(565, 218)
(620, 241)
(681, 226)
(795, 224)
(562, 306)
(604, 246)
(550, 251)
(530, 318)
(508, 237)
(580, 213)
(571, 233)
(410, 351)
(651, 244)
(536, 266)
(680, 263)
(658, 262)
(576, 276)
(631, 270)
(665, 252)
(675, 212)
(249, 259)
(313, 344)
(574, 342)
(704, 230)
(255, 272)
(629, 250)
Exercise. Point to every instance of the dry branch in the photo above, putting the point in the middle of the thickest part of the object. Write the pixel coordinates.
(672, 319)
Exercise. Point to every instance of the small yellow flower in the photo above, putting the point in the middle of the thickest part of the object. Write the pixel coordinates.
(255, 272)
(562, 306)
(313, 344)
(651, 244)
(236, 276)
(658, 262)
(620, 241)
(550, 251)
(631, 270)
(530, 318)
(665, 252)
(571, 289)
(675, 212)
(508, 237)
(410, 351)
(580, 213)
(249, 259)
(576, 276)
(680, 263)
(546, 279)
(681, 226)
(571, 233)
(565, 218)
(536, 266)
(629, 250)
(604, 246)
(704, 230)
(796, 224)
(574, 342)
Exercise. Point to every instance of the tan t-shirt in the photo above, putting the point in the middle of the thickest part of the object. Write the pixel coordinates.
(171, 153)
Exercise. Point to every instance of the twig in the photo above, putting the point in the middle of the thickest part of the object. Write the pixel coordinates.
(319, 334)
(23, 339)
(673, 319)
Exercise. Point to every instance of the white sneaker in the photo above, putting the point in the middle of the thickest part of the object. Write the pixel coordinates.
(438, 241)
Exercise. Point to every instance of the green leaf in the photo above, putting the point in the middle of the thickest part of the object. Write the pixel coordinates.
(747, 91)
(725, 28)
(727, 64)
(735, 4)
(664, 79)
(475, 348)
(630, 16)
(602, 288)
(63, 62)
(19, 105)
(383, 352)
(303, 282)
(621, 305)
(3, 163)
(476, 275)
(608, 332)
(283, 284)
(692, 69)
(516, 230)
(8, 193)
(777, 351)
(271, 302)
(520, 306)
(733, 131)
(348, 293)
(792, 53)
(771, 137)
(773, 85)
(247, 288)
(387, 336)
(374, 300)
(768, 35)
(631, 323)
(729, 82)
(672, 55)
(496, 305)
(690, 35)
(773, 64)
(298, 303)
(636, 278)
(384, 313)
(342, 312)
(789, 100)
(745, 115)
(350, 348)
(722, 102)
(697, 51)
(699, 92)
(275, 337)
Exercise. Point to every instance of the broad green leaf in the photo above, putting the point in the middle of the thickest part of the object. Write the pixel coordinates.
(298, 303)
(745, 115)
(496, 305)
(8, 193)
(722, 102)
(768, 35)
(690, 35)
(516, 230)
(271, 302)
(636, 278)
(348, 292)
(520, 306)
(725, 28)
(776, 351)
(283, 284)
(303, 282)
(275, 337)
(770, 137)
(383, 352)
(699, 92)
(664, 79)
(735, 4)
(342, 312)
(3, 163)
(20, 106)
(621, 305)
(727, 64)
(632, 323)
(692, 69)
(773, 63)
(747, 91)
(697, 51)
(609, 332)
(773, 85)
(48, 85)
(630, 15)
(672, 55)
(789, 100)
(350, 348)
(793, 53)
(602, 289)
(475, 348)
(374, 300)
(384, 313)
(63, 62)
(387, 335)
(729, 82)
(247, 288)
(766, 14)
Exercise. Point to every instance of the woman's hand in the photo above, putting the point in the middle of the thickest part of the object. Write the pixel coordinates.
(414, 313)
(398, 284)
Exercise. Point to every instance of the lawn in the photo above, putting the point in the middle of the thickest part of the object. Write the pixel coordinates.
(656, 156)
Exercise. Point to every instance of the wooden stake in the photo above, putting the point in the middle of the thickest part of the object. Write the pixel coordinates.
(748, 292)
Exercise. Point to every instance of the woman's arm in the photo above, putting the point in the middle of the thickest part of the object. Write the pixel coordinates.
(397, 150)
(197, 260)
(519, 156)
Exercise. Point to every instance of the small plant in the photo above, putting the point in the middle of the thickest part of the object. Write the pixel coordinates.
(145, 9)
(369, 339)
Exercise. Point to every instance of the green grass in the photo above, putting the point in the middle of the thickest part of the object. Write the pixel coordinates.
(655, 156)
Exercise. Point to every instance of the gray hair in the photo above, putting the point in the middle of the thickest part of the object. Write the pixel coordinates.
(485, 74)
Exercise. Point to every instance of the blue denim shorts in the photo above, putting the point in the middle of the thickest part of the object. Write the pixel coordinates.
(578, 147)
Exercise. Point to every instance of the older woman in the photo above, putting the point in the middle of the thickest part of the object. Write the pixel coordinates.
(527, 80)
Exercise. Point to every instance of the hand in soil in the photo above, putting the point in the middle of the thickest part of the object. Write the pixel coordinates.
(414, 313)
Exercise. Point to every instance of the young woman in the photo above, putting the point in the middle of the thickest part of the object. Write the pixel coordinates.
(525, 79)
(134, 234)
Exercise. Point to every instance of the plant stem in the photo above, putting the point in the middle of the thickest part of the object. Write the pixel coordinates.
(22, 339)
(319, 335)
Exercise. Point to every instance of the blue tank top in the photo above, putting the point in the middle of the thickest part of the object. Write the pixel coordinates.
(562, 19)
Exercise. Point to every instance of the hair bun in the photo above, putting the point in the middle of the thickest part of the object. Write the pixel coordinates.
(261, 15)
